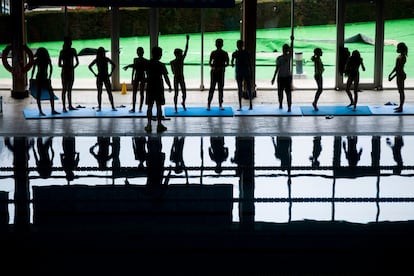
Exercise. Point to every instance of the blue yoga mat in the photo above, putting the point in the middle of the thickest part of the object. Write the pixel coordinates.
(44, 95)
(198, 112)
(86, 112)
(335, 111)
(270, 110)
(389, 110)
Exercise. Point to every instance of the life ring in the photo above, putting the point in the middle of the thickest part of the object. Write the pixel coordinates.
(21, 68)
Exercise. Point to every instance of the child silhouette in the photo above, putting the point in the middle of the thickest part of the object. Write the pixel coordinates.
(219, 60)
(243, 71)
(316, 58)
(352, 70)
(157, 72)
(102, 76)
(177, 67)
(42, 63)
(284, 76)
(68, 61)
(139, 68)
(400, 61)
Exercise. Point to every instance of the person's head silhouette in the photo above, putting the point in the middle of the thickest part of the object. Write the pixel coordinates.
(402, 48)
(156, 53)
(219, 43)
(140, 51)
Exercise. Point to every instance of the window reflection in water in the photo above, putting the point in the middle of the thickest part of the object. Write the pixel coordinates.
(275, 179)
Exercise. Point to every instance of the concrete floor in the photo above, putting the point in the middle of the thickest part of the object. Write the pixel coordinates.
(12, 122)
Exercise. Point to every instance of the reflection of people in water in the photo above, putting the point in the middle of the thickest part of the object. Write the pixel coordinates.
(351, 152)
(116, 149)
(44, 156)
(218, 152)
(155, 162)
(69, 158)
(396, 152)
(176, 156)
(140, 153)
(12, 148)
(283, 151)
(317, 148)
(103, 155)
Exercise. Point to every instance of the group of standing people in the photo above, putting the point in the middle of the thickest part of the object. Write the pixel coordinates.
(351, 69)
(149, 76)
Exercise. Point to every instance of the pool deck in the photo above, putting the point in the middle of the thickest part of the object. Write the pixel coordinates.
(13, 122)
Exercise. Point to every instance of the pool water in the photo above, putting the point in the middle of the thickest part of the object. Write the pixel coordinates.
(326, 178)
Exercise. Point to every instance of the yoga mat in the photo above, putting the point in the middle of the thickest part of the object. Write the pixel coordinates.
(33, 113)
(87, 112)
(198, 112)
(389, 110)
(44, 95)
(270, 110)
(335, 111)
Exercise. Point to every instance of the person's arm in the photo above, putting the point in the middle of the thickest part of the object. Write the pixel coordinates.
(75, 54)
(233, 57)
(275, 73)
(50, 69)
(60, 61)
(362, 65)
(112, 66)
(90, 66)
(128, 66)
(34, 69)
(167, 80)
(186, 46)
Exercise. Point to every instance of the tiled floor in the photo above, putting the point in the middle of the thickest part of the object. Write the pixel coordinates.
(12, 122)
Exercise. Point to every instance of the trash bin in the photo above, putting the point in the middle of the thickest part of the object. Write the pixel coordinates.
(299, 62)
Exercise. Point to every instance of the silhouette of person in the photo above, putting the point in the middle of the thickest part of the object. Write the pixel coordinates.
(219, 60)
(398, 71)
(44, 156)
(283, 151)
(218, 152)
(316, 151)
(140, 153)
(396, 152)
(103, 154)
(284, 77)
(352, 71)
(157, 72)
(68, 61)
(70, 157)
(43, 65)
(316, 58)
(351, 152)
(176, 156)
(343, 58)
(243, 72)
(102, 75)
(139, 68)
(177, 67)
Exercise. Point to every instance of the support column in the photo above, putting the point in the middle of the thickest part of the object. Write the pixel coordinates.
(115, 47)
(379, 45)
(340, 41)
(19, 90)
(249, 34)
(154, 27)
(202, 30)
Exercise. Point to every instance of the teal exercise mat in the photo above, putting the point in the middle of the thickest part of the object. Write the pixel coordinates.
(44, 95)
(335, 111)
(197, 111)
(268, 110)
(389, 110)
(85, 112)
(33, 113)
